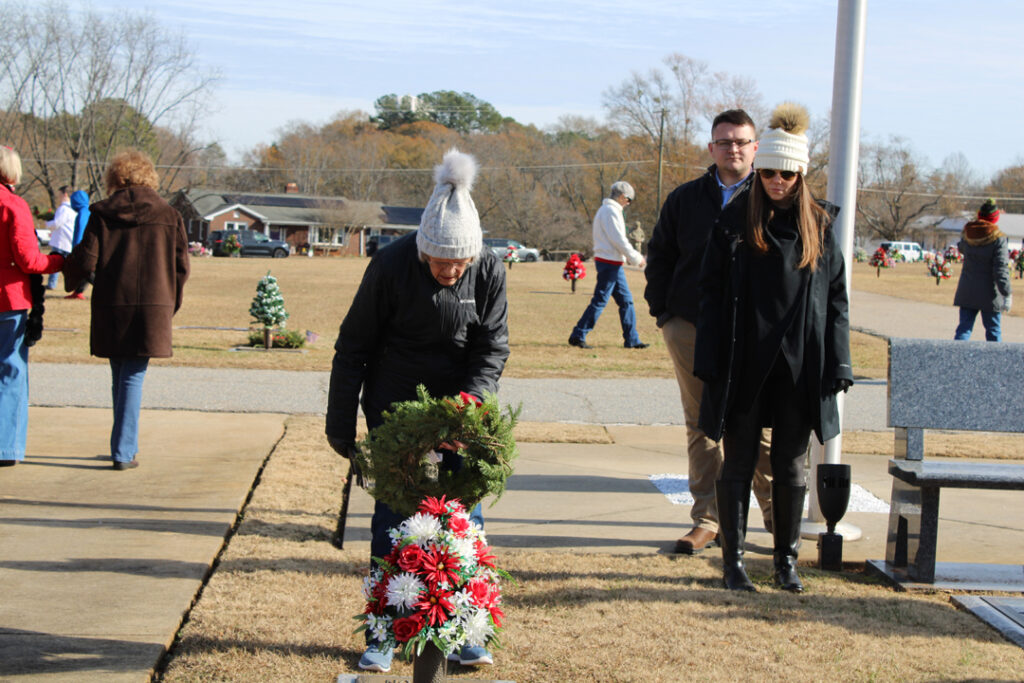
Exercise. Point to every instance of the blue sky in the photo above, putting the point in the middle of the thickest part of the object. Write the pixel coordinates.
(946, 75)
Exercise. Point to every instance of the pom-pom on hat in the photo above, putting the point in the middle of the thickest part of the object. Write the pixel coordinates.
(989, 211)
(450, 226)
(784, 146)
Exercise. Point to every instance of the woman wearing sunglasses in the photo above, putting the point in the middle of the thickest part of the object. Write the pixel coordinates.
(772, 341)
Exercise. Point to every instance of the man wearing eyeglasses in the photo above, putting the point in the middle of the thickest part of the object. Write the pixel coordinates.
(673, 265)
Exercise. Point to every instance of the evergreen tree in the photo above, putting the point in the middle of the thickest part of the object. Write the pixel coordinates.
(268, 304)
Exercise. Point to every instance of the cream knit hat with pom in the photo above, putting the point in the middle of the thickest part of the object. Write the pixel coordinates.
(784, 146)
(450, 226)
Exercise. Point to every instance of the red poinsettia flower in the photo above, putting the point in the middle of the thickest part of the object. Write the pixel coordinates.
(484, 557)
(410, 558)
(435, 606)
(439, 565)
(407, 627)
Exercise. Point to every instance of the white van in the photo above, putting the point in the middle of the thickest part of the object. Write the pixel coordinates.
(909, 251)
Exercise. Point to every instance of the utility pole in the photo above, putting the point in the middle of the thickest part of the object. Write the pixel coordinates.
(661, 149)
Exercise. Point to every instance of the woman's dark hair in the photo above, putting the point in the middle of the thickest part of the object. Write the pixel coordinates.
(811, 220)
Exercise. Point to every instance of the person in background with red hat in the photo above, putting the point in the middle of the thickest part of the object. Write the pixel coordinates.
(984, 285)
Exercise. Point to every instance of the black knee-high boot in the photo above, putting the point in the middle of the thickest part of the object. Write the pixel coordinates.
(788, 509)
(733, 502)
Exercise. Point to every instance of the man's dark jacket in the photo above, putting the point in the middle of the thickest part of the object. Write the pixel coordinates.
(404, 329)
(677, 246)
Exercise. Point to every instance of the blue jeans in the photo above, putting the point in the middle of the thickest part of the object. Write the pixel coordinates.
(13, 385)
(51, 282)
(126, 387)
(990, 319)
(611, 283)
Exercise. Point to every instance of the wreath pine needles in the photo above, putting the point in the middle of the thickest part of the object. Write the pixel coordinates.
(400, 458)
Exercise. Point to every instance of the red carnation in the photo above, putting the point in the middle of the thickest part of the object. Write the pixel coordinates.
(407, 627)
(439, 565)
(410, 558)
(458, 525)
(435, 606)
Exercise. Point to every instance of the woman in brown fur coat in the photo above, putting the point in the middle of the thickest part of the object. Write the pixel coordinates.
(985, 280)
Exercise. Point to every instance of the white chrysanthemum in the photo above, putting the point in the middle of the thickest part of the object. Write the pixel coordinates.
(478, 628)
(378, 626)
(403, 590)
(421, 529)
(466, 550)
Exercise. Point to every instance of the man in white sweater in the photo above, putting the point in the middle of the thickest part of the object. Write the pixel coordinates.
(611, 249)
(62, 230)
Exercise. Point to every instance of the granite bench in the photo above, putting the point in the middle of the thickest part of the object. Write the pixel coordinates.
(947, 385)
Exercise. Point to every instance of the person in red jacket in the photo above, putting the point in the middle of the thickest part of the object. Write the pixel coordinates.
(19, 257)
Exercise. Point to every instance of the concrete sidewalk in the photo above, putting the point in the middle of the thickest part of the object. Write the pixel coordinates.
(100, 566)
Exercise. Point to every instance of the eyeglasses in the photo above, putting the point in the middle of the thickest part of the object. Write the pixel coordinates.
(769, 173)
(728, 144)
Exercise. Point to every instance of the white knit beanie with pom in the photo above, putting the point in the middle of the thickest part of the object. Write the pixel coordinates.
(784, 146)
(450, 226)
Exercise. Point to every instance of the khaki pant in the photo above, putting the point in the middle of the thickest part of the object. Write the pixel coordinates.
(705, 456)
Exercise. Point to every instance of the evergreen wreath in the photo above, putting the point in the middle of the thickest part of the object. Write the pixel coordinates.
(403, 460)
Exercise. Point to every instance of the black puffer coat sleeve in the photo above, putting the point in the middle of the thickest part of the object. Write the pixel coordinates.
(488, 343)
(359, 337)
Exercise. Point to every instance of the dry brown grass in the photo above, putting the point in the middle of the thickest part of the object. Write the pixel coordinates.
(278, 607)
(317, 293)
(911, 281)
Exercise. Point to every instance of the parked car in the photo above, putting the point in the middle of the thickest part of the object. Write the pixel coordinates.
(500, 245)
(253, 243)
(908, 251)
(376, 242)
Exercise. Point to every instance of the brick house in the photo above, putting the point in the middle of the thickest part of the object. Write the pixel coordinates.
(333, 225)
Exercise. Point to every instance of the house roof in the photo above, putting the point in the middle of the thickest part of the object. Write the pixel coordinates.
(286, 209)
(1011, 224)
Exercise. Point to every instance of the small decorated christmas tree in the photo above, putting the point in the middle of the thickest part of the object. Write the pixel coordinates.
(268, 306)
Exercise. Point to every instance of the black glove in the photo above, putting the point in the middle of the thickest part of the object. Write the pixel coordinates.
(841, 385)
(34, 322)
(342, 447)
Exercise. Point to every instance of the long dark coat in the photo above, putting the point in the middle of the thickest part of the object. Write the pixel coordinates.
(985, 279)
(136, 245)
(717, 356)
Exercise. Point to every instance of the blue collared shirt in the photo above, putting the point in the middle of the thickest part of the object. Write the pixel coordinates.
(729, 190)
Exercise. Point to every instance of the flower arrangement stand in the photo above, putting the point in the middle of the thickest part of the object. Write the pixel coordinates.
(267, 338)
(573, 286)
(429, 666)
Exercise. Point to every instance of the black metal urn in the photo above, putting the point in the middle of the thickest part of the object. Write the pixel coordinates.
(833, 483)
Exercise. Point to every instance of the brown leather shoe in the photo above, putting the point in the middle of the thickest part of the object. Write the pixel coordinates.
(696, 540)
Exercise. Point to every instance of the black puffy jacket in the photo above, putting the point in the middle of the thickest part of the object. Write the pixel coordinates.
(404, 329)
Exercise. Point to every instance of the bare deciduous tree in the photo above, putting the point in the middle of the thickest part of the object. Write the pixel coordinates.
(896, 189)
(83, 85)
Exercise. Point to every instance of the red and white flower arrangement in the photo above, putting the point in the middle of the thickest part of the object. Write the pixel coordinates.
(940, 269)
(952, 254)
(511, 254)
(439, 584)
(881, 259)
(574, 270)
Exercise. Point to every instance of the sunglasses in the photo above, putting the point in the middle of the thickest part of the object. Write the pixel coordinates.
(769, 173)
